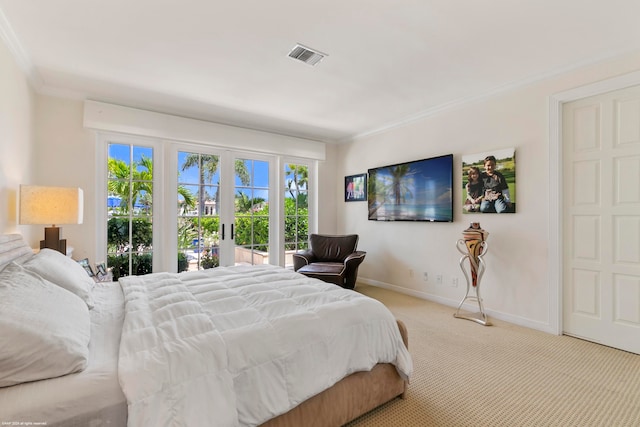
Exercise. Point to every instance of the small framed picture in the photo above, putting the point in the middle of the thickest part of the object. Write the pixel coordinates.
(101, 269)
(355, 188)
(87, 267)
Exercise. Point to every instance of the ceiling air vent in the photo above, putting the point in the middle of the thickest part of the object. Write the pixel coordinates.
(306, 55)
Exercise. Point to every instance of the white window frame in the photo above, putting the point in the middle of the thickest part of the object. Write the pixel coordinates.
(312, 188)
(102, 155)
(165, 197)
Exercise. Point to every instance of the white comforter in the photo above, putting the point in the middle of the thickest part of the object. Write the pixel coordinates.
(240, 345)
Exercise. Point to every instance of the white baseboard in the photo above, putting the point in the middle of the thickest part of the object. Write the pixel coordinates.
(516, 320)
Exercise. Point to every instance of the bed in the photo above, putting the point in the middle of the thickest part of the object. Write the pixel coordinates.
(228, 346)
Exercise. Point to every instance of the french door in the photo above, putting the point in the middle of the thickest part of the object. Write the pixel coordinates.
(224, 215)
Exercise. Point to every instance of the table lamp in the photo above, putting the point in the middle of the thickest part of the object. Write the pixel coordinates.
(51, 205)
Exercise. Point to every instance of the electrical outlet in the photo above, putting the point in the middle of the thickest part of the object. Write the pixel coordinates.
(454, 282)
(425, 276)
(439, 279)
(410, 273)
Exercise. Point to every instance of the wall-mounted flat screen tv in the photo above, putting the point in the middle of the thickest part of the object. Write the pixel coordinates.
(419, 190)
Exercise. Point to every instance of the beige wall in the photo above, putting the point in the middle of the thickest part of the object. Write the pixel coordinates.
(516, 284)
(65, 157)
(327, 202)
(17, 115)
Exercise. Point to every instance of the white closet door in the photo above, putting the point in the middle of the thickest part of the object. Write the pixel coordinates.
(601, 224)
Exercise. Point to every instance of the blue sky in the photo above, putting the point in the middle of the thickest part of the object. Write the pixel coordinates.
(259, 170)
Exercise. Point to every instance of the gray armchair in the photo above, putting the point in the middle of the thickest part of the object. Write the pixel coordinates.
(332, 259)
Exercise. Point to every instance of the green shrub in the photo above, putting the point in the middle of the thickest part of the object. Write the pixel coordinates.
(118, 233)
(183, 263)
(119, 264)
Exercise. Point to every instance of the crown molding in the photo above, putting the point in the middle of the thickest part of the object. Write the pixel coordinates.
(10, 39)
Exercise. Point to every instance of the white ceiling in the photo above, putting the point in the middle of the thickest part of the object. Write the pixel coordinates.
(390, 61)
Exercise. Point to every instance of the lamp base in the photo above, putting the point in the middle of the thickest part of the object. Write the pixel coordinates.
(52, 240)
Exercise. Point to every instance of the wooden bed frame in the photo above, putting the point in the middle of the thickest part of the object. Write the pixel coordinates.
(349, 398)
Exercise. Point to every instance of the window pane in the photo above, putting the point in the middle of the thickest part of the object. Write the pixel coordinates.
(261, 174)
(261, 230)
(197, 168)
(142, 204)
(303, 233)
(302, 202)
(141, 234)
(243, 173)
(187, 202)
(242, 230)
(210, 198)
(188, 168)
(143, 159)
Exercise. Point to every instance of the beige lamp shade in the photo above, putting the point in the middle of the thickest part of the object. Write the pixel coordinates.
(50, 205)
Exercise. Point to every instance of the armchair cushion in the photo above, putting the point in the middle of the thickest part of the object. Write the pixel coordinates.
(331, 272)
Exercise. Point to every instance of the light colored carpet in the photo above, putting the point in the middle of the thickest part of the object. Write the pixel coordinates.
(466, 374)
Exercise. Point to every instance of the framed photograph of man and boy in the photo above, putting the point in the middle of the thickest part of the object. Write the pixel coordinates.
(489, 182)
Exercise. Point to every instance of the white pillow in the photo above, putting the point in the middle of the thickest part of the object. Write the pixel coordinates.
(44, 329)
(62, 271)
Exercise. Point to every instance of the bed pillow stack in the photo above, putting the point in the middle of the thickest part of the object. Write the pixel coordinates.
(62, 271)
(45, 327)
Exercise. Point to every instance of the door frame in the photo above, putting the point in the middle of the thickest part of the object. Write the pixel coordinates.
(556, 184)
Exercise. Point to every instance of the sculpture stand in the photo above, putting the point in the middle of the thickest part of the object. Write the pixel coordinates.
(473, 249)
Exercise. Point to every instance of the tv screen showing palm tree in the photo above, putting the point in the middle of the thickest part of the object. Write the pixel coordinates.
(419, 190)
